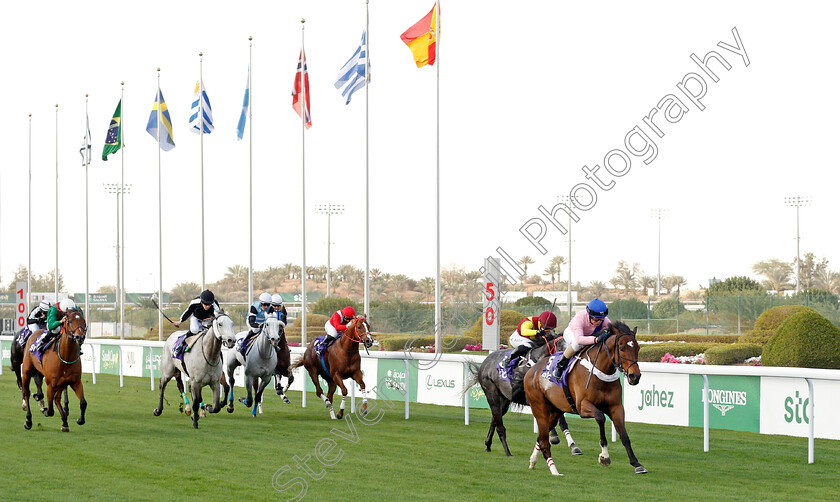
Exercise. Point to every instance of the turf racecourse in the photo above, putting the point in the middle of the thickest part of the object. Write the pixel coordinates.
(124, 452)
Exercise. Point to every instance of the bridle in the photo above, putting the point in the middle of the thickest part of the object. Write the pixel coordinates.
(621, 358)
(78, 335)
(217, 334)
(367, 340)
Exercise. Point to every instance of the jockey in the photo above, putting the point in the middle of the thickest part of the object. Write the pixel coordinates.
(256, 318)
(38, 316)
(586, 328)
(525, 337)
(337, 324)
(201, 311)
(55, 319)
(278, 308)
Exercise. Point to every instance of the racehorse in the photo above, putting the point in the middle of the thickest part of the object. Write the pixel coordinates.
(595, 390)
(500, 392)
(203, 364)
(340, 360)
(259, 362)
(60, 366)
(16, 361)
(284, 361)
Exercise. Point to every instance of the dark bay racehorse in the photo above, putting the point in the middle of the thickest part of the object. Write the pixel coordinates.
(284, 361)
(61, 367)
(500, 393)
(594, 396)
(341, 360)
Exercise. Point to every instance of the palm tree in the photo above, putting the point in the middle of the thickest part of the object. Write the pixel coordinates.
(776, 272)
(427, 287)
(598, 288)
(236, 277)
(525, 261)
(647, 282)
(551, 270)
(829, 280)
(674, 281)
(288, 269)
(626, 276)
(184, 292)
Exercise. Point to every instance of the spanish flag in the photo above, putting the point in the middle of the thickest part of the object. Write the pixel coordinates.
(422, 38)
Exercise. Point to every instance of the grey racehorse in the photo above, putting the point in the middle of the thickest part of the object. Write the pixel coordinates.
(259, 363)
(500, 393)
(202, 364)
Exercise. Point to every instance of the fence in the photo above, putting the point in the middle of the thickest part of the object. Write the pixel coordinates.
(754, 399)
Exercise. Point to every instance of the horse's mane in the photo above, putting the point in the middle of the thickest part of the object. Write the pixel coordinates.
(622, 328)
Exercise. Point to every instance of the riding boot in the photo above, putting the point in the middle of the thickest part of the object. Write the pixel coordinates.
(561, 365)
(519, 351)
(183, 347)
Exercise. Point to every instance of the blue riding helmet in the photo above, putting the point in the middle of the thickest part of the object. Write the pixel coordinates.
(597, 308)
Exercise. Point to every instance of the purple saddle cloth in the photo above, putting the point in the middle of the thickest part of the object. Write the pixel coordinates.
(507, 371)
(37, 343)
(320, 344)
(548, 371)
(23, 336)
(178, 348)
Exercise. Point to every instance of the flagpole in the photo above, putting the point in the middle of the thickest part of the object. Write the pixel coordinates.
(201, 134)
(160, 220)
(303, 109)
(438, 325)
(367, 157)
(87, 233)
(55, 275)
(121, 291)
(29, 246)
(250, 183)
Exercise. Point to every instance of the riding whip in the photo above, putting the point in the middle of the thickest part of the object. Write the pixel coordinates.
(161, 311)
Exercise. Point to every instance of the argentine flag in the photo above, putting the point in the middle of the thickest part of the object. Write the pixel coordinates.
(240, 129)
(205, 107)
(351, 77)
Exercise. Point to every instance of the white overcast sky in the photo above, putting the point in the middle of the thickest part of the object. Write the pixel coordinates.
(529, 93)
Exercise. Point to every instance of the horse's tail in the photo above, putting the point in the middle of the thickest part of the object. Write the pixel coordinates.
(297, 364)
(517, 386)
(472, 379)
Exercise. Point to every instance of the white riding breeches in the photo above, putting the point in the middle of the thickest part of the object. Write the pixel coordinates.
(331, 331)
(516, 340)
(197, 326)
(569, 336)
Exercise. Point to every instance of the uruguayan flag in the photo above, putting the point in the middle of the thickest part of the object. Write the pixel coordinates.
(352, 74)
(240, 129)
(205, 107)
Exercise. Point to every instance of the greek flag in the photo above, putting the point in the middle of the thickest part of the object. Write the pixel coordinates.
(240, 129)
(351, 77)
(205, 107)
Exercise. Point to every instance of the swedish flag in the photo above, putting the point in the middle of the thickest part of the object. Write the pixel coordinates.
(166, 141)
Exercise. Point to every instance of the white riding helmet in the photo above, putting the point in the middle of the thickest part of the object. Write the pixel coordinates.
(265, 298)
(276, 300)
(66, 304)
(45, 305)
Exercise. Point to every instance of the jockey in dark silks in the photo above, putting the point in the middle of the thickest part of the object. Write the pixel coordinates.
(201, 311)
(37, 320)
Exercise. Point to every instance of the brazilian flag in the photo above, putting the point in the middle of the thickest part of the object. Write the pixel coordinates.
(113, 141)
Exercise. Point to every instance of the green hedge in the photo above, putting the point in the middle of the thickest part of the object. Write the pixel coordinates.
(757, 336)
(804, 340)
(510, 320)
(653, 353)
(327, 305)
(735, 353)
(771, 319)
(314, 327)
(683, 337)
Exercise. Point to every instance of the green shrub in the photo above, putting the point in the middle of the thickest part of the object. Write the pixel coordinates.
(630, 308)
(735, 353)
(314, 327)
(771, 319)
(757, 336)
(805, 340)
(328, 305)
(532, 301)
(510, 320)
(653, 353)
(667, 309)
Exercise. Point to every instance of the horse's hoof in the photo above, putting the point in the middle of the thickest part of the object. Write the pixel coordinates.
(531, 465)
(202, 413)
(576, 451)
(156, 412)
(195, 425)
(340, 414)
(640, 469)
(229, 409)
(286, 400)
(27, 425)
(80, 421)
(64, 428)
(279, 392)
(605, 461)
(187, 411)
(554, 439)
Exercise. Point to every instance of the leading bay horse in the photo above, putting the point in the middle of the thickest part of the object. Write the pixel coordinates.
(341, 360)
(595, 389)
(501, 392)
(61, 366)
(203, 364)
(16, 362)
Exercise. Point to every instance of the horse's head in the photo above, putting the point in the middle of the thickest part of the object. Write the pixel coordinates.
(223, 330)
(625, 351)
(272, 329)
(361, 328)
(75, 327)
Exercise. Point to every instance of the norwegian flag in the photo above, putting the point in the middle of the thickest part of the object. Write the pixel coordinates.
(296, 101)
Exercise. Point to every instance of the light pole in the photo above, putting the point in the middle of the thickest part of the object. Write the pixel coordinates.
(658, 213)
(797, 201)
(329, 209)
(117, 189)
(567, 199)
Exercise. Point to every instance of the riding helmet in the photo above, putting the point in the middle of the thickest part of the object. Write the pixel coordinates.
(66, 304)
(276, 300)
(207, 297)
(597, 308)
(348, 312)
(265, 298)
(45, 305)
(548, 320)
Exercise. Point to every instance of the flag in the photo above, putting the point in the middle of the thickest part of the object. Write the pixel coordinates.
(86, 148)
(422, 38)
(240, 129)
(113, 140)
(301, 69)
(205, 107)
(351, 77)
(166, 140)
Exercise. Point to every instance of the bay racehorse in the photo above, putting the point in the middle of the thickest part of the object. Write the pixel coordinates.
(61, 367)
(16, 361)
(202, 364)
(340, 360)
(284, 361)
(593, 381)
(259, 363)
(502, 389)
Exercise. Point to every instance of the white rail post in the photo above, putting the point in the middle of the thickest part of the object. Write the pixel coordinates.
(705, 413)
(811, 421)
(407, 387)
